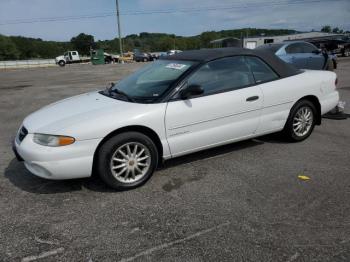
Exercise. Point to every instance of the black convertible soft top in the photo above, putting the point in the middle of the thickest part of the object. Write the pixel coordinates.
(205, 55)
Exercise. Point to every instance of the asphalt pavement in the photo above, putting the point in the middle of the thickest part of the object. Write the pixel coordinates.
(240, 202)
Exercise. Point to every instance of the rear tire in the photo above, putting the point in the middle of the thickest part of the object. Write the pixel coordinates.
(127, 160)
(335, 64)
(330, 66)
(301, 121)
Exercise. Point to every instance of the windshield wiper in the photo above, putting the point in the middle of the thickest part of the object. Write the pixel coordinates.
(120, 92)
(112, 89)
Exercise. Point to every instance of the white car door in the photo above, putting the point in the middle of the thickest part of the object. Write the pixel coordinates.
(277, 97)
(228, 110)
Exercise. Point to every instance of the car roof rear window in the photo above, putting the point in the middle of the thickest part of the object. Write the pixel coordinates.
(270, 47)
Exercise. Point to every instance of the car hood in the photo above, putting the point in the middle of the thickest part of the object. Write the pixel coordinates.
(59, 57)
(56, 117)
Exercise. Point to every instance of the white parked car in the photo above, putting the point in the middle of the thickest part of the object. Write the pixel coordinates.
(175, 106)
(173, 52)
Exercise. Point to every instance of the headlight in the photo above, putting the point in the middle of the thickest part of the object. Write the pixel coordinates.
(52, 140)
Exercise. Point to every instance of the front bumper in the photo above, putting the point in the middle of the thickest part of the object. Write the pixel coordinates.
(14, 149)
(66, 162)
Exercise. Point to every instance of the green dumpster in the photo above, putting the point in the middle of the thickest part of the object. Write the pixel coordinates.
(97, 57)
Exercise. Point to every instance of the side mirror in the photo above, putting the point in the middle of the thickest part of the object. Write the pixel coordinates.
(316, 51)
(190, 91)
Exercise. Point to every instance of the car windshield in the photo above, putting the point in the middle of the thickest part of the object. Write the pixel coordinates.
(153, 80)
(270, 47)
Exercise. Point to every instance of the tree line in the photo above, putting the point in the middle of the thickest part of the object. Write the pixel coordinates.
(335, 30)
(18, 47)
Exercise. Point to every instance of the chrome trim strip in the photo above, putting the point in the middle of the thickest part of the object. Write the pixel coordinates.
(220, 117)
(213, 119)
(279, 104)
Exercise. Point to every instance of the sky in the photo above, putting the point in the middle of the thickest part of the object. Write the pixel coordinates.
(180, 17)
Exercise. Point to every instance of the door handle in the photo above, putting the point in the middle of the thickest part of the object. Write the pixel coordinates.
(252, 98)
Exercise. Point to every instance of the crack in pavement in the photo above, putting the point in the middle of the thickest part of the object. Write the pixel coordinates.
(43, 255)
(169, 244)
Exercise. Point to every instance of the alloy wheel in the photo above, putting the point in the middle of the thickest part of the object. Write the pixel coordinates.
(303, 121)
(130, 162)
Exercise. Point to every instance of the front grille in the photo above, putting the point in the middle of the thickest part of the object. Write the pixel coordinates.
(22, 133)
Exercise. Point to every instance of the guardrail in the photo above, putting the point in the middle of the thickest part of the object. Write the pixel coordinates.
(27, 63)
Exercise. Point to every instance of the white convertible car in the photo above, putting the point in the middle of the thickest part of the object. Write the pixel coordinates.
(175, 106)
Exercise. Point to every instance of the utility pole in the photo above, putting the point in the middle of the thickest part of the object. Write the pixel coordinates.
(119, 31)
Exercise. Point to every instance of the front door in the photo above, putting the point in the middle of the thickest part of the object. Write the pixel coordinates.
(228, 110)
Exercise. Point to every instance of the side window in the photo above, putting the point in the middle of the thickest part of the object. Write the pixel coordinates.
(294, 49)
(307, 48)
(268, 41)
(261, 71)
(223, 74)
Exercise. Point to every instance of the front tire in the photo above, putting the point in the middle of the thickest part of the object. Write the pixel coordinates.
(301, 121)
(61, 63)
(127, 160)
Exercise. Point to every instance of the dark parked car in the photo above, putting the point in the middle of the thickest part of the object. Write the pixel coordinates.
(302, 55)
(142, 56)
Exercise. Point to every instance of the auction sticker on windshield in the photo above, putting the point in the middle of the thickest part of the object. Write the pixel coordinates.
(176, 66)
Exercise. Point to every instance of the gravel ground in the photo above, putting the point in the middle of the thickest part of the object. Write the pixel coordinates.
(240, 202)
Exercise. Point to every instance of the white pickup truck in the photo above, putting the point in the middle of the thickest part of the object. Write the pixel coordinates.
(70, 57)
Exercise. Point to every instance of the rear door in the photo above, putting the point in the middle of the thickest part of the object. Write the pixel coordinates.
(228, 110)
(75, 56)
(316, 60)
(296, 56)
(70, 56)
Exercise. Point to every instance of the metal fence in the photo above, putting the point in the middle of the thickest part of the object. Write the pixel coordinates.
(27, 63)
